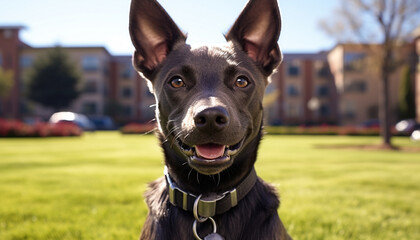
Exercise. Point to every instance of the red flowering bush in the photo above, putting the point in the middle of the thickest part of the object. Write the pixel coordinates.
(323, 130)
(15, 128)
(62, 129)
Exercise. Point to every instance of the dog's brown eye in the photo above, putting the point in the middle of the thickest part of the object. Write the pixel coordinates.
(241, 82)
(177, 82)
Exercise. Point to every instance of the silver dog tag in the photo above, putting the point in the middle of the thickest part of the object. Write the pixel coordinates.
(214, 236)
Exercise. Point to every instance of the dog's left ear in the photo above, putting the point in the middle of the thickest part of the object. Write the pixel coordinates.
(257, 30)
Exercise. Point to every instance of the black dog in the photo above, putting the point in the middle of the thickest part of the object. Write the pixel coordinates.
(209, 113)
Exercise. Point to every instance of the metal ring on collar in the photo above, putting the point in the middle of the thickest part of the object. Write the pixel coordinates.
(195, 210)
(195, 227)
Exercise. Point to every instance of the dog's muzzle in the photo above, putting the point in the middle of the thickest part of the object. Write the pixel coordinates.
(210, 159)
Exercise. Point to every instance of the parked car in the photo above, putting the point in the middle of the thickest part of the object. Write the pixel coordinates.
(79, 119)
(415, 135)
(407, 126)
(103, 123)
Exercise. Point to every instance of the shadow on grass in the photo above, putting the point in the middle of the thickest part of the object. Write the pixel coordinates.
(369, 147)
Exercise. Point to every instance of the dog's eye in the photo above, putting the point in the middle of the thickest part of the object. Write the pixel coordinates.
(241, 82)
(177, 82)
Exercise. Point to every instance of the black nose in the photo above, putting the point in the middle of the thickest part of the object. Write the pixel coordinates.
(212, 119)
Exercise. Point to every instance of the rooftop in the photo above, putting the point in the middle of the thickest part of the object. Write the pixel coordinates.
(12, 27)
(311, 56)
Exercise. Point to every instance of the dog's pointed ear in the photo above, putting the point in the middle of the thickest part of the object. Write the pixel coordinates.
(257, 30)
(153, 33)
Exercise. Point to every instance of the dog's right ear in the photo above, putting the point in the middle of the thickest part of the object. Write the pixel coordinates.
(153, 33)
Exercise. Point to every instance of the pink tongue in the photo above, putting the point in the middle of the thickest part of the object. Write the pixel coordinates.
(210, 151)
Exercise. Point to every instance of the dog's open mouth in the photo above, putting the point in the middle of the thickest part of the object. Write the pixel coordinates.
(210, 158)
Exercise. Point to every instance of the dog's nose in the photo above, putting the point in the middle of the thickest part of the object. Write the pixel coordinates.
(212, 119)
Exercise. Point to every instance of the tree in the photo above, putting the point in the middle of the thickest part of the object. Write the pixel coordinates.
(406, 101)
(54, 80)
(386, 22)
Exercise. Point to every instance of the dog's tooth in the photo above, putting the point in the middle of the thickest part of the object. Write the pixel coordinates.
(232, 152)
(188, 152)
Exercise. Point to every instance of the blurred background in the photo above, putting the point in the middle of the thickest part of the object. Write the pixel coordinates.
(333, 71)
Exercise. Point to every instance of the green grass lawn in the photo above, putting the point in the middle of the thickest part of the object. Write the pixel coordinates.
(92, 187)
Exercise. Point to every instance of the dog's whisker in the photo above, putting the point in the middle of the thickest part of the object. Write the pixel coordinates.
(176, 135)
(150, 131)
(189, 173)
(212, 177)
(228, 173)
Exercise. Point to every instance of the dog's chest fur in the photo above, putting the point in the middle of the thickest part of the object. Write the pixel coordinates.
(258, 210)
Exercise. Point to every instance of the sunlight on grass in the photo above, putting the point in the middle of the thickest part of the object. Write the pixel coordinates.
(92, 187)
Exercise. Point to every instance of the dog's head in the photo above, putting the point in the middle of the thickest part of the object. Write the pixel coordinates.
(209, 99)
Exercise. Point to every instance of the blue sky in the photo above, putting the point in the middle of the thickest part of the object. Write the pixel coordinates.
(105, 22)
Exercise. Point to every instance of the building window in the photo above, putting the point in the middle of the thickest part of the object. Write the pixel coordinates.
(324, 110)
(127, 72)
(323, 70)
(91, 86)
(26, 61)
(357, 86)
(126, 92)
(90, 108)
(322, 91)
(354, 61)
(106, 70)
(293, 70)
(127, 111)
(292, 91)
(348, 110)
(90, 63)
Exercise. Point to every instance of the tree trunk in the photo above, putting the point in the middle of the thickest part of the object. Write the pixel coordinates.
(384, 115)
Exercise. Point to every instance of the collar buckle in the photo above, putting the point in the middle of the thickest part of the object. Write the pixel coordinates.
(206, 205)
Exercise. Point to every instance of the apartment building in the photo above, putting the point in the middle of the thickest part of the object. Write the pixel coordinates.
(9, 60)
(130, 93)
(307, 94)
(109, 84)
(356, 71)
(340, 86)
